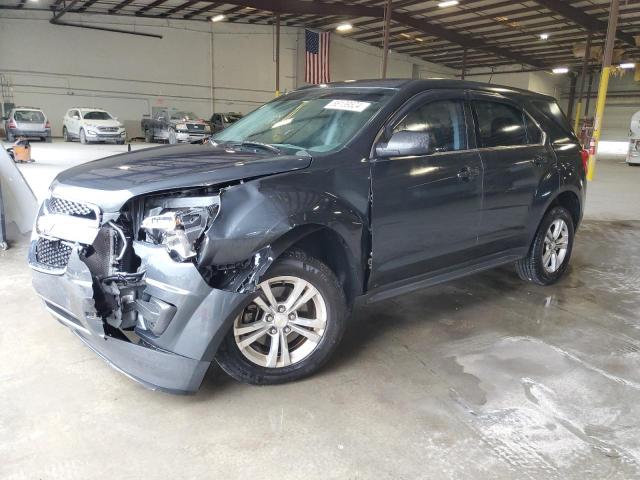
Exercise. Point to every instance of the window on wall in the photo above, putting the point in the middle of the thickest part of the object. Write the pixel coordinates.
(499, 124)
(442, 120)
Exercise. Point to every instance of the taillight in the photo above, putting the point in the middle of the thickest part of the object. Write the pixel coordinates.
(584, 154)
(12, 124)
(47, 124)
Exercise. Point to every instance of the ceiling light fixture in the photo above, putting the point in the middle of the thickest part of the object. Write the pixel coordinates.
(544, 36)
(344, 27)
(218, 18)
(560, 70)
(627, 65)
(448, 3)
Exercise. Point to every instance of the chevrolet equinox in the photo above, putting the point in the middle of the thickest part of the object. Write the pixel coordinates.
(251, 249)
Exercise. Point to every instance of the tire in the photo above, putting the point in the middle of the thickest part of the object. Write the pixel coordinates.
(120, 142)
(327, 308)
(83, 137)
(539, 266)
(172, 139)
(11, 137)
(148, 136)
(47, 139)
(65, 134)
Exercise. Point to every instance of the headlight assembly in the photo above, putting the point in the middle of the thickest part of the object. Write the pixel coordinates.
(179, 223)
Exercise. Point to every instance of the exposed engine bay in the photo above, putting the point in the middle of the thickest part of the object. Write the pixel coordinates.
(175, 222)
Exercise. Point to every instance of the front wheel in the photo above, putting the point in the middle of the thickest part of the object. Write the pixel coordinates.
(83, 137)
(10, 137)
(65, 134)
(291, 326)
(550, 252)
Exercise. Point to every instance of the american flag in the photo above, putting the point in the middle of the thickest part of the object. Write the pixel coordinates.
(316, 47)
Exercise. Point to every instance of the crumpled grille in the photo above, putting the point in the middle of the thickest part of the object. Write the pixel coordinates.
(67, 207)
(52, 253)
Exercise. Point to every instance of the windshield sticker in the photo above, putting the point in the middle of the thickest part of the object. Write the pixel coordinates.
(349, 105)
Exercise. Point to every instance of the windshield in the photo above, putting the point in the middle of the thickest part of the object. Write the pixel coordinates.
(232, 117)
(316, 120)
(184, 116)
(96, 115)
(28, 116)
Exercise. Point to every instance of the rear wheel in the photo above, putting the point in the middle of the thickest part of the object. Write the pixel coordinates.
(291, 326)
(148, 136)
(11, 137)
(550, 252)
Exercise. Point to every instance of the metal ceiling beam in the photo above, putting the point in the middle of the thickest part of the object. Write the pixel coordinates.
(86, 5)
(146, 8)
(179, 8)
(120, 6)
(202, 10)
(587, 21)
(304, 7)
(56, 20)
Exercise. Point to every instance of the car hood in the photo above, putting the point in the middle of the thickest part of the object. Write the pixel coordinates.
(111, 181)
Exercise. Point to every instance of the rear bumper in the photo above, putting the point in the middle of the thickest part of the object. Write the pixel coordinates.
(174, 361)
(30, 133)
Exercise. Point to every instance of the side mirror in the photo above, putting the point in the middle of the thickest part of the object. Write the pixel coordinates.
(404, 143)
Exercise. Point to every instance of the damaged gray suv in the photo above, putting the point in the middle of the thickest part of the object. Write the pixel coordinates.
(251, 250)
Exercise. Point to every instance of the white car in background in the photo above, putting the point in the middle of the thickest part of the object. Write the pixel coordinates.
(92, 125)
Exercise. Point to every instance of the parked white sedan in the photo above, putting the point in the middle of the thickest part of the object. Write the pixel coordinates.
(92, 125)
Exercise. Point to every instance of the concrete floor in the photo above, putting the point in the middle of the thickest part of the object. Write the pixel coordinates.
(483, 377)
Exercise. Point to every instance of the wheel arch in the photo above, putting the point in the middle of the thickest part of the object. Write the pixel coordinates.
(568, 198)
(328, 246)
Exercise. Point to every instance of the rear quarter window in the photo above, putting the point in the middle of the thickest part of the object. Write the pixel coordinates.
(556, 122)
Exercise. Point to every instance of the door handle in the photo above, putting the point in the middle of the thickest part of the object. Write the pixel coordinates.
(465, 174)
(539, 160)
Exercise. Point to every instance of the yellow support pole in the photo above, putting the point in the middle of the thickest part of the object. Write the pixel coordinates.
(597, 121)
(576, 122)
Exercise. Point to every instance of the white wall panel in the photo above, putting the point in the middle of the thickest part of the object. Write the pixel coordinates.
(59, 67)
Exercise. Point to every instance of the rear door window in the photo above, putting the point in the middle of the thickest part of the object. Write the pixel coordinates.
(499, 124)
(442, 120)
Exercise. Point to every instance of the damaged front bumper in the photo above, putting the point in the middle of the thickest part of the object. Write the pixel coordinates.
(194, 316)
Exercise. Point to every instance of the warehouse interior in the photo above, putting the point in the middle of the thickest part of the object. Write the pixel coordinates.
(485, 375)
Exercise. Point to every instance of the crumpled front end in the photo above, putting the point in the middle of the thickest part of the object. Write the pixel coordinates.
(151, 315)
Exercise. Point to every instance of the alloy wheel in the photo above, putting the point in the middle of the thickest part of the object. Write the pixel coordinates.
(556, 244)
(283, 324)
